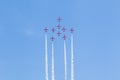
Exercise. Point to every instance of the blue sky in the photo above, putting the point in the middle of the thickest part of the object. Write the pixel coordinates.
(96, 38)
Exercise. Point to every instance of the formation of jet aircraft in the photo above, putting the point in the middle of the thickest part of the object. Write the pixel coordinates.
(60, 28)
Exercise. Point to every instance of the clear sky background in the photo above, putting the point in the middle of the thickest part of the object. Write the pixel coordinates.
(96, 38)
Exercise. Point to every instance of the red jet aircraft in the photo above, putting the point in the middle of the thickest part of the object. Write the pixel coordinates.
(58, 33)
(46, 29)
(58, 26)
(71, 30)
(59, 19)
(64, 37)
(52, 38)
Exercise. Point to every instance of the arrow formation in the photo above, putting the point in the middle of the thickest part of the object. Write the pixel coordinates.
(60, 32)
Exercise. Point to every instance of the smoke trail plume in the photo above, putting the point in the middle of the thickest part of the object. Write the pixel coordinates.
(65, 60)
(53, 75)
(46, 59)
(72, 59)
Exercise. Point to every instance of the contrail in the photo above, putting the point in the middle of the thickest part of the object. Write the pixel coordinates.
(53, 75)
(46, 59)
(72, 59)
(65, 60)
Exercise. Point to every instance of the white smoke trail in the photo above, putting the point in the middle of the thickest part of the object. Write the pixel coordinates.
(53, 75)
(72, 59)
(65, 60)
(46, 59)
